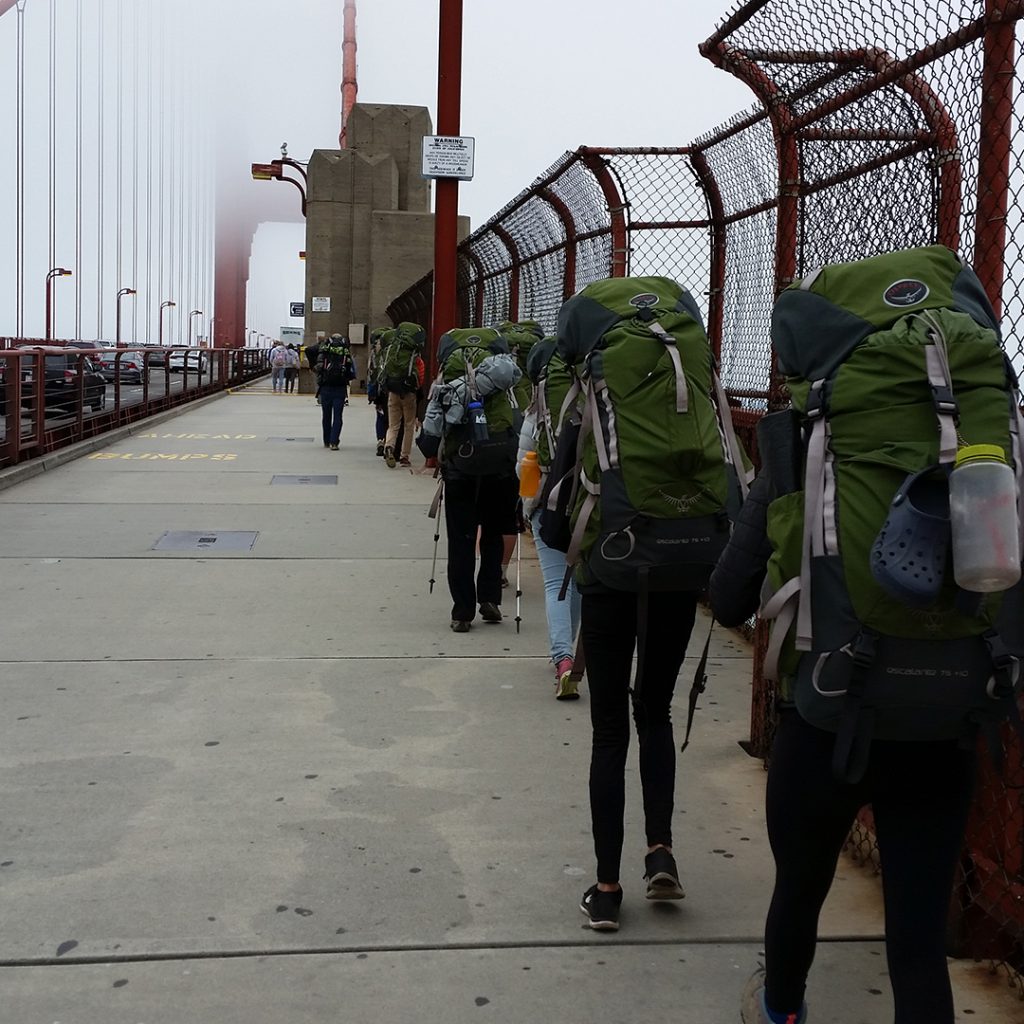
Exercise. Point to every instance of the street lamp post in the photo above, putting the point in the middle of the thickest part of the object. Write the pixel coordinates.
(195, 312)
(117, 331)
(160, 317)
(55, 272)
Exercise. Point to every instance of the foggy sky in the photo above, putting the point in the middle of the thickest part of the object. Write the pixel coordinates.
(538, 78)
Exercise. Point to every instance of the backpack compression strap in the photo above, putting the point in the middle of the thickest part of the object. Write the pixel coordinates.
(820, 534)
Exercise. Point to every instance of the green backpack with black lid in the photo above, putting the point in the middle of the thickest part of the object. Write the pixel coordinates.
(521, 336)
(655, 484)
(555, 391)
(400, 349)
(893, 363)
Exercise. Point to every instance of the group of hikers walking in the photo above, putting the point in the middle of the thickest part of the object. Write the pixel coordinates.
(884, 551)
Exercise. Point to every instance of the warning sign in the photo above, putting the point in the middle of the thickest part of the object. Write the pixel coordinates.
(448, 156)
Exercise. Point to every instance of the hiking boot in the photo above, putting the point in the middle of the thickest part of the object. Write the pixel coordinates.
(602, 909)
(753, 1009)
(380, 449)
(389, 457)
(403, 461)
(565, 685)
(490, 612)
(662, 876)
(460, 626)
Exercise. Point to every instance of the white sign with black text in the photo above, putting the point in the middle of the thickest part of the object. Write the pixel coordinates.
(321, 303)
(448, 156)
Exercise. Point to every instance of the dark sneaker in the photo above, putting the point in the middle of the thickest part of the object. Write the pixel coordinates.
(403, 461)
(662, 876)
(490, 612)
(460, 626)
(334, 447)
(389, 458)
(380, 449)
(602, 909)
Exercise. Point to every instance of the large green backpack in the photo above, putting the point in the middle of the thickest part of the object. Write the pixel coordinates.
(892, 363)
(521, 336)
(459, 353)
(555, 394)
(656, 482)
(399, 350)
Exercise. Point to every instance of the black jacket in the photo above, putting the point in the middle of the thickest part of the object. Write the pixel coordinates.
(735, 588)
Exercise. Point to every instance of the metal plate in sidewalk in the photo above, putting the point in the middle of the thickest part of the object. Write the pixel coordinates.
(208, 540)
(289, 439)
(285, 479)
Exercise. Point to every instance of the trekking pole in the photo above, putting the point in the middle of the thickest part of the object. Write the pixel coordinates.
(519, 578)
(435, 514)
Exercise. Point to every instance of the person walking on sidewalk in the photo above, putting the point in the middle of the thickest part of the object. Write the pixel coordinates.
(876, 705)
(335, 368)
(376, 393)
(471, 424)
(551, 402)
(291, 369)
(648, 514)
(278, 363)
(402, 375)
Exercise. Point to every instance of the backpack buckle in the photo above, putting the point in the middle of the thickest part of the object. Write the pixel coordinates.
(815, 408)
(863, 652)
(945, 402)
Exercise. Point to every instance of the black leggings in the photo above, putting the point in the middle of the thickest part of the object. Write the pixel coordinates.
(920, 794)
(608, 627)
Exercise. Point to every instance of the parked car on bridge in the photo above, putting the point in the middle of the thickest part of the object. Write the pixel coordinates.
(130, 366)
(196, 361)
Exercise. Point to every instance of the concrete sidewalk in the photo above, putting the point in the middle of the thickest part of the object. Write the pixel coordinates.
(269, 785)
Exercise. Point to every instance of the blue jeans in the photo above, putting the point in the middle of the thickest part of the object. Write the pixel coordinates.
(277, 377)
(332, 408)
(563, 616)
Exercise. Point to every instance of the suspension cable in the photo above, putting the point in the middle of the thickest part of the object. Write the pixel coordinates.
(135, 173)
(149, 180)
(53, 137)
(100, 96)
(119, 175)
(78, 174)
(19, 243)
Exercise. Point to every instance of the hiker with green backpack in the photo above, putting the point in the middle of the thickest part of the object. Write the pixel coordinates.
(376, 393)
(400, 374)
(555, 395)
(335, 369)
(471, 424)
(888, 667)
(642, 490)
(521, 336)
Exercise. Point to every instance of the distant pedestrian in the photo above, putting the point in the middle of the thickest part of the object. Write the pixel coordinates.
(376, 393)
(291, 369)
(278, 364)
(335, 368)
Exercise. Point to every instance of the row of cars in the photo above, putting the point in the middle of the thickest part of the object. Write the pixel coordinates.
(63, 365)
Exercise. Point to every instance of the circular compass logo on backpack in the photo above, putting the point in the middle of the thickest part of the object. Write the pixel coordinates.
(907, 292)
(645, 300)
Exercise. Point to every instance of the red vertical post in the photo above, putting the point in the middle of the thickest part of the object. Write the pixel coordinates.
(994, 153)
(446, 203)
(349, 86)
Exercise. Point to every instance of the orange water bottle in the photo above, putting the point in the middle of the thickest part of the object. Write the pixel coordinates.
(529, 476)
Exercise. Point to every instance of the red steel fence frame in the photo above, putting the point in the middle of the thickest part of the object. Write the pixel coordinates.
(853, 150)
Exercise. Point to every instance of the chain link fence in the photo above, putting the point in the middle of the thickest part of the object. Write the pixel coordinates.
(880, 124)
